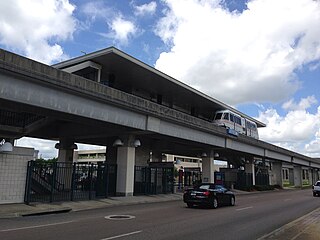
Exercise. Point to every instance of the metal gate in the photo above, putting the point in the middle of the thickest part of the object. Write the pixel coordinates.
(52, 182)
(153, 180)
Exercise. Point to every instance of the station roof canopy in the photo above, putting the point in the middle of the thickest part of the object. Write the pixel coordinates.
(132, 73)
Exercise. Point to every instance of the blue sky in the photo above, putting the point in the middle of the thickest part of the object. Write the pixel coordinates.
(262, 57)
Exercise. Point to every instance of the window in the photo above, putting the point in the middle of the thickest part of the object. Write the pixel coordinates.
(205, 187)
(237, 120)
(226, 116)
(231, 117)
(218, 116)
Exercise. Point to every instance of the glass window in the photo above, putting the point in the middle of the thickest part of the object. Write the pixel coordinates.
(226, 116)
(231, 117)
(237, 120)
(218, 116)
(204, 186)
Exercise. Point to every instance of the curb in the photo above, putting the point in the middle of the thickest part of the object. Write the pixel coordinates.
(298, 228)
(46, 212)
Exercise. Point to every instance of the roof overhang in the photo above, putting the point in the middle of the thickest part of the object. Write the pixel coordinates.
(134, 72)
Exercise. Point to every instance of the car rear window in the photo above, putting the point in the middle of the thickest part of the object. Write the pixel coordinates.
(204, 186)
(317, 184)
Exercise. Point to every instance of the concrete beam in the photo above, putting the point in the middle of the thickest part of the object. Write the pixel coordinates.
(277, 156)
(242, 147)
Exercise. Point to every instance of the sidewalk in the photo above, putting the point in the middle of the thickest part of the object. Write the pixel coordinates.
(304, 228)
(21, 209)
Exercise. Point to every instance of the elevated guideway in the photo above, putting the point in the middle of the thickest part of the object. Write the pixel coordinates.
(42, 101)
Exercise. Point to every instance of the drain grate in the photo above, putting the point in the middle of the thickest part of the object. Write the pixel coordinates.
(119, 217)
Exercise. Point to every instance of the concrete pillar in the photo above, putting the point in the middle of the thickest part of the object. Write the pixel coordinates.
(297, 176)
(66, 148)
(276, 174)
(315, 175)
(125, 170)
(208, 168)
(310, 176)
(249, 168)
(125, 166)
(65, 155)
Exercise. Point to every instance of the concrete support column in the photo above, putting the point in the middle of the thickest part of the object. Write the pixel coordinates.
(297, 176)
(66, 148)
(125, 166)
(125, 170)
(310, 170)
(276, 174)
(208, 168)
(316, 176)
(249, 168)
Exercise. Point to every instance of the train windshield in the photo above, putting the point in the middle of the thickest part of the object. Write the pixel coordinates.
(218, 116)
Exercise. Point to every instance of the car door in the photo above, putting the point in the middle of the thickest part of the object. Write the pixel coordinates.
(218, 189)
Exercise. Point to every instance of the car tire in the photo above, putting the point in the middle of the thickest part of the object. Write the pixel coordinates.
(314, 194)
(214, 203)
(190, 205)
(232, 201)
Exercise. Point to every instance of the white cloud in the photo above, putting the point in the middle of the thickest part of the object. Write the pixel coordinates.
(145, 9)
(298, 130)
(122, 30)
(31, 27)
(240, 57)
(305, 103)
(96, 10)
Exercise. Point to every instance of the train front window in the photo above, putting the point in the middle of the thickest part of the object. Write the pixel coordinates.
(226, 116)
(218, 116)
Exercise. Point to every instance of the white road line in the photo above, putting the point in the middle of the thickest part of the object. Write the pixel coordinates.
(36, 226)
(122, 235)
(288, 199)
(240, 209)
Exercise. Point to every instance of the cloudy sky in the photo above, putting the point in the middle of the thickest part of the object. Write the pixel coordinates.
(260, 56)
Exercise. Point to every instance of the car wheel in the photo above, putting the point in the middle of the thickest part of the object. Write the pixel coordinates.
(190, 205)
(314, 194)
(214, 203)
(232, 201)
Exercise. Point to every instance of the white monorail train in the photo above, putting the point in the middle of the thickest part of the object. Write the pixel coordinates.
(231, 120)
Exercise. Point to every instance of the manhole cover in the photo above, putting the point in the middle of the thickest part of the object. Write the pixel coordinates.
(119, 217)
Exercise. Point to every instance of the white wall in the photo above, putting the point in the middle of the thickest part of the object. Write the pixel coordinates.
(13, 172)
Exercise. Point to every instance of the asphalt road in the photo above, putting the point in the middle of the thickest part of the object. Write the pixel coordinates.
(253, 216)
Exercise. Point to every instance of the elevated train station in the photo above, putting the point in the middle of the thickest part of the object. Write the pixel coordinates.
(111, 99)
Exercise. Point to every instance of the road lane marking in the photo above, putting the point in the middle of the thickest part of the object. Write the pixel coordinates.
(288, 199)
(122, 235)
(245, 208)
(36, 226)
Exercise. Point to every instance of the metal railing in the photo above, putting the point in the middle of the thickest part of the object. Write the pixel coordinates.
(153, 180)
(52, 182)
